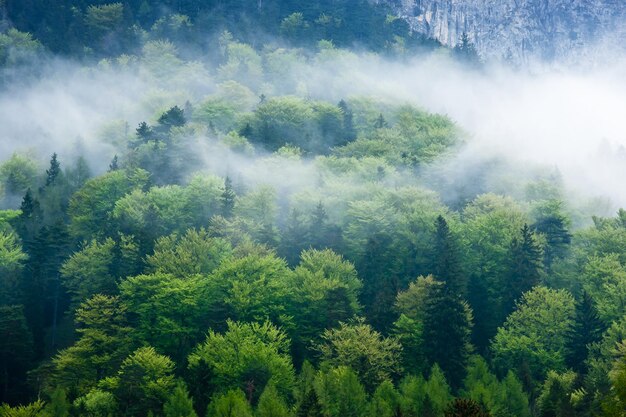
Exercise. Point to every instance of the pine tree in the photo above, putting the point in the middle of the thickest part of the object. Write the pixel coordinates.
(349, 132)
(144, 132)
(54, 171)
(310, 406)
(447, 317)
(113, 166)
(318, 227)
(525, 268)
(174, 117)
(294, 237)
(228, 198)
(587, 328)
(558, 238)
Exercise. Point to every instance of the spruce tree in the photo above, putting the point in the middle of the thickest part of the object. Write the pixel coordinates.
(349, 132)
(380, 122)
(525, 269)
(53, 172)
(228, 198)
(179, 404)
(113, 166)
(144, 132)
(318, 227)
(447, 317)
(586, 329)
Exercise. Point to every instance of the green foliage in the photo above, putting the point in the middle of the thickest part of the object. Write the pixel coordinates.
(340, 393)
(271, 404)
(231, 404)
(179, 404)
(245, 357)
(143, 383)
(532, 338)
(35, 409)
(356, 345)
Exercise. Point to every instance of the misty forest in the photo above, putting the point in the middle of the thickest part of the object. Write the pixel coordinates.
(280, 208)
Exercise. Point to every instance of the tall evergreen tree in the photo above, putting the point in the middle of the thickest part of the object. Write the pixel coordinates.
(349, 132)
(16, 353)
(54, 171)
(525, 269)
(294, 238)
(228, 198)
(586, 329)
(558, 238)
(113, 166)
(447, 317)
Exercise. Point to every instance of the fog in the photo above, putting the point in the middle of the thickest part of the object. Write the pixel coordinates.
(572, 121)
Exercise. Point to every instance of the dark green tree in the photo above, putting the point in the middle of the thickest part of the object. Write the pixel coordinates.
(113, 166)
(463, 407)
(525, 268)
(144, 132)
(54, 171)
(586, 329)
(349, 132)
(16, 354)
(448, 318)
(228, 198)
(380, 122)
(174, 117)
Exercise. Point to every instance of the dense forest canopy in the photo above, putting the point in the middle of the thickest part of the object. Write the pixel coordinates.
(206, 209)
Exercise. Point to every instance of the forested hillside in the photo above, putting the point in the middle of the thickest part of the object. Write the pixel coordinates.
(251, 233)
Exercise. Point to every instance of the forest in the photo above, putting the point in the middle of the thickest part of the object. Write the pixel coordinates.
(249, 233)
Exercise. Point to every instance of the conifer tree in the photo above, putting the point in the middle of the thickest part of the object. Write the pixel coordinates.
(525, 269)
(54, 171)
(447, 321)
(586, 329)
(349, 132)
(228, 198)
(113, 166)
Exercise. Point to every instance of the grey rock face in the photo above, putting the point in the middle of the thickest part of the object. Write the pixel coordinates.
(521, 30)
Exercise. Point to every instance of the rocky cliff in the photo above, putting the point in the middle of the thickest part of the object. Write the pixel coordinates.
(521, 30)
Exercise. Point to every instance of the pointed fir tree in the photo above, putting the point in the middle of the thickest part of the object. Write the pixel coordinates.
(318, 227)
(228, 198)
(113, 166)
(310, 406)
(586, 329)
(558, 238)
(294, 238)
(447, 317)
(54, 171)
(144, 132)
(524, 271)
(349, 132)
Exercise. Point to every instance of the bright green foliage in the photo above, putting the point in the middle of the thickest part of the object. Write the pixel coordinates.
(556, 398)
(102, 345)
(604, 278)
(532, 339)
(340, 393)
(58, 406)
(615, 405)
(88, 271)
(170, 311)
(18, 173)
(252, 288)
(18, 48)
(271, 404)
(96, 403)
(35, 409)
(231, 404)
(143, 383)
(12, 260)
(326, 291)
(356, 345)
(190, 254)
(91, 207)
(246, 357)
(179, 404)
(385, 401)
(420, 397)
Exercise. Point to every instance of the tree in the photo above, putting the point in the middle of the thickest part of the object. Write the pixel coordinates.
(246, 357)
(326, 291)
(532, 338)
(228, 198)
(349, 132)
(385, 401)
(448, 318)
(179, 404)
(587, 328)
(271, 404)
(524, 268)
(54, 171)
(230, 404)
(357, 346)
(466, 52)
(340, 393)
(174, 117)
(144, 132)
(114, 166)
(58, 406)
(104, 341)
(16, 353)
(556, 398)
(143, 383)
